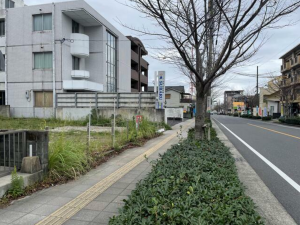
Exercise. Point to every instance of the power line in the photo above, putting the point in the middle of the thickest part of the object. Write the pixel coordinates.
(297, 39)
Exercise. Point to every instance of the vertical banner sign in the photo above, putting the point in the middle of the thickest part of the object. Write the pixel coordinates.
(138, 120)
(208, 104)
(161, 90)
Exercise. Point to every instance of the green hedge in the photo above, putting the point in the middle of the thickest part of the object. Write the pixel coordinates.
(193, 183)
(246, 116)
(235, 114)
(266, 118)
(256, 117)
(293, 121)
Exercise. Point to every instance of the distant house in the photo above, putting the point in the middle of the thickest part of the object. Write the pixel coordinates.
(176, 97)
(228, 100)
(269, 98)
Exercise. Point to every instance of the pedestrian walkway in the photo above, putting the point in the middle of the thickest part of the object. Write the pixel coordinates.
(98, 195)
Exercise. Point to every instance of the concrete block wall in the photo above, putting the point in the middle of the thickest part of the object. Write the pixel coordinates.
(152, 115)
(5, 110)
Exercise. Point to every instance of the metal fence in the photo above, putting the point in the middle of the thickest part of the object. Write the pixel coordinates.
(15, 145)
(12, 149)
(106, 100)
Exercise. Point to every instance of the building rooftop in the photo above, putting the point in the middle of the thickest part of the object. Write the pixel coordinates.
(138, 42)
(290, 51)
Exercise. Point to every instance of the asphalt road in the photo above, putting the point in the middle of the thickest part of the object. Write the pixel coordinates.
(273, 151)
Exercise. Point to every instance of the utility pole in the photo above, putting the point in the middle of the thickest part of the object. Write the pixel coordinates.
(257, 84)
(210, 48)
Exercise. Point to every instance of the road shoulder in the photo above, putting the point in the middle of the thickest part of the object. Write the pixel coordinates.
(267, 204)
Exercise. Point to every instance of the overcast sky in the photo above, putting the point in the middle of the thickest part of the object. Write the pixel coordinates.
(280, 41)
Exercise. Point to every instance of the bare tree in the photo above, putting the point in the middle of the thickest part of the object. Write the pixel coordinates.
(278, 84)
(252, 100)
(209, 37)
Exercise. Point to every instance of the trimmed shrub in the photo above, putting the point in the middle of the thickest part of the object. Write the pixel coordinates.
(266, 118)
(246, 116)
(193, 183)
(256, 117)
(292, 120)
(235, 114)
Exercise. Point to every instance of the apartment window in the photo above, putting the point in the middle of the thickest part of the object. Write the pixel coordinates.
(75, 27)
(76, 63)
(9, 4)
(43, 60)
(2, 98)
(2, 65)
(2, 28)
(168, 96)
(111, 62)
(43, 99)
(42, 22)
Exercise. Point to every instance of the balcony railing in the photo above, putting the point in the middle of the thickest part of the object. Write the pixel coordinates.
(296, 61)
(80, 74)
(134, 56)
(144, 63)
(144, 79)
(134, 75)
(80, 47)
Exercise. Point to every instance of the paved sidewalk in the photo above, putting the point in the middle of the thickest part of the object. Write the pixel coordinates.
(41, 205)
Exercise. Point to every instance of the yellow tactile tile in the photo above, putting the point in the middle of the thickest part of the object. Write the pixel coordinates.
(64, 213)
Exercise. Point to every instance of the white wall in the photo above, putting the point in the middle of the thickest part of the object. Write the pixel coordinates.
(20, 35)
(275, 104)
(174, 101)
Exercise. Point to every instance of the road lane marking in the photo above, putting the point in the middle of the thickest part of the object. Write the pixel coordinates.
(64, 213)
(275, 131)
(270, 164)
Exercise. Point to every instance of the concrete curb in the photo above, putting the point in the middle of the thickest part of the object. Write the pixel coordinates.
(267, 204)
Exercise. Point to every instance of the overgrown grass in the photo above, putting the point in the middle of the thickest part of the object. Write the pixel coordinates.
(70, 155)
(36, 123)
(67, 158)
(193, 183)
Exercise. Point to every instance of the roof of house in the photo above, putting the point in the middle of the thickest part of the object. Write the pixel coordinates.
(179, 89)
(290, 51)
(136, 41)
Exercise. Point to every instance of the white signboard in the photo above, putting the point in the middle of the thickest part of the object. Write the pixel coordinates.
(208, 103)
(174, 112)
(161, 90)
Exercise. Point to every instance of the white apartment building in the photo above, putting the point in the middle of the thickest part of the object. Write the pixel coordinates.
(57, 48)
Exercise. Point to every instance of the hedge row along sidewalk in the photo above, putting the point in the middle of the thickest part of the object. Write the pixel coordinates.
(193, 183)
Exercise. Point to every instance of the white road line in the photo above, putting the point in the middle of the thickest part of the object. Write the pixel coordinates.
(268, 123)
(275, 168)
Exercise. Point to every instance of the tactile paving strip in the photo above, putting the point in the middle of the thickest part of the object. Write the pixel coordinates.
(64, 213)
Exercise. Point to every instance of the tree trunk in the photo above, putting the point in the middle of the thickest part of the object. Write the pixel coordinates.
(200, 114)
